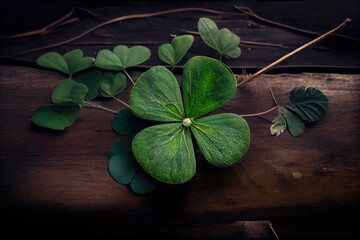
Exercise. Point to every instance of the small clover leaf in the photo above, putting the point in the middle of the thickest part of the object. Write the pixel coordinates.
(124, 169)
(69, 92)
(122, 57)
(92, 79)
(223, 40)
(166, 151)
(307, 105)
(56, 117)
(174, 52)
(70, 63)
(111, 85)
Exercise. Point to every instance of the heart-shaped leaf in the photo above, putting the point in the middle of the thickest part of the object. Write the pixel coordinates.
(77, 62)
(156, 96)
(126, 123)
(142, 183)
(122, 167)
(166, 152)
(69, 92)
(92, 79)
(310, 103)
(207, 84)
(70, 63)
(56, 117)
(122, 57)
(111, 85)
(174, 52)
(223, 138)
(223, 40)
(53, 60)
(123, 145)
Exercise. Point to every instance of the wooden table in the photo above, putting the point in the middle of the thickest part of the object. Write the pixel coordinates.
(59, 182)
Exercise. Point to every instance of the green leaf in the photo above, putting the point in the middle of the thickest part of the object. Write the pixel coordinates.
(123, 145)
(55, 117)
(122, 57)
(122, 167)
(207, 84)
(223, 138)
(294, 124)
(142, 183)
(156, 96)
(77, 62)
(108, 60)
(92, 79)
(69, 92)
(126, 123)
(174, 52)
(223, 40)
(310, 103)
(166, 152)
(53, 60)
(132, 56)
(111, 85)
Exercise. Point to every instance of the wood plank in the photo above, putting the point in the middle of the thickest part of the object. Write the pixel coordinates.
(63, 176)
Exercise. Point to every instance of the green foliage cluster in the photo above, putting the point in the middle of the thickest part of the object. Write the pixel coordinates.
(166, 123)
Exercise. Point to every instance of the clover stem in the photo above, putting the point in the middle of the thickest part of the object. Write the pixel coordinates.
(90, 104)
(260, 113)
(122, 102)
(220, 56)
(128, 75)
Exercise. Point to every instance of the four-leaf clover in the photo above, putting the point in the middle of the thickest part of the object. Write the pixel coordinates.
(165, 151)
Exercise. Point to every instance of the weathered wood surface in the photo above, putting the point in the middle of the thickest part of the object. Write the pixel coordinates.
(331, 54)
(62, 178)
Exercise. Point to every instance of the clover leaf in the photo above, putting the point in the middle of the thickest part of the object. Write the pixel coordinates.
(92, 79)
(223, 40)
(70, 63)
(307, 105)
(111, 85)
(124, 169)
(69, 91)
(122, 57)
(174, 52)
(166, 151)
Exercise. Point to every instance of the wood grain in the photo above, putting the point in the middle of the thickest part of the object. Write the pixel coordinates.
(63, 175)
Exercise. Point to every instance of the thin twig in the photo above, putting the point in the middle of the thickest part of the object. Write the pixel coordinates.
(71, 20)
(267, 68)
(244, 42)
(258, 114)
(272, 229)
(122, 102)
(273, 97)
(90, 104)
(126, 17)
(128, 75)
(251, 13)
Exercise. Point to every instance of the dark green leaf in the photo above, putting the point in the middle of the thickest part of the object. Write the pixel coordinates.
(77, 62)
(223, 138)
(69, 91)
(92, 79)
(55, 117)
(122, 167)
(294, 124)
(174, 52)
(207, 84)
(126, 123)
(142, 183)
(156, 96)
(310, 103)
(166, 153)
(111, 85)
(123, 145)
(223, 40)
(53, 60)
